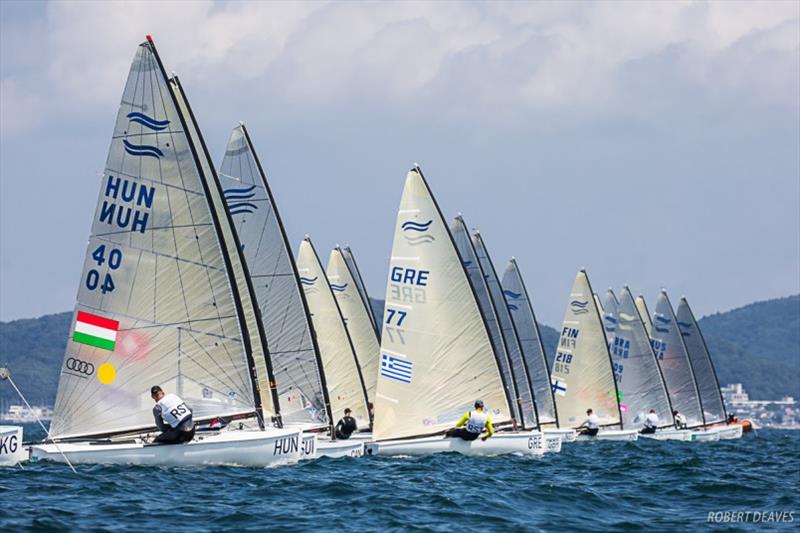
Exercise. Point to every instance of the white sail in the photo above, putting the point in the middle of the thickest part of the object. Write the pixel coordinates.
(521, 308)
(339, 364)
(356, 317)
(598, 303)
(674, 361)
(641, 306)
(469, 256)
(284, 314)
(581, 375)
(350, 259)
(156, 303)
(522, 380)
(703, 367)
(639, 381)
(436, 357)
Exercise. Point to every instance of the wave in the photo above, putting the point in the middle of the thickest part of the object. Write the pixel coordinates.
(239, 194)
(663, 319)
(148, 122)
(308, 281)
(512, 307)
(420, 239)
(684, 324)
(661, 330)
(142, 149)
(511, 294)
(412, 225)
(338, 288)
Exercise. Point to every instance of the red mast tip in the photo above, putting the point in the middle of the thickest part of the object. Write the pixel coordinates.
(149, 38)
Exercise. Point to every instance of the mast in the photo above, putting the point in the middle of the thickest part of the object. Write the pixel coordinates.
(350, 261)
(238, 247)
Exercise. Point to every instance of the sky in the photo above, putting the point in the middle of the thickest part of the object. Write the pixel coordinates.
(655, 144)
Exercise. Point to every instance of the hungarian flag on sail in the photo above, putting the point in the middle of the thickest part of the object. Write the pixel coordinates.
(95, 331)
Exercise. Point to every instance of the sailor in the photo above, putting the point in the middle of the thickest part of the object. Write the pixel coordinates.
(173, 417)
(346, 426)
(680, 420)
(591, 425)
(650, 423)
(472, 424)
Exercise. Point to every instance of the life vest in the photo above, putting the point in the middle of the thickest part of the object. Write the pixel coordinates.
(476, 422)
(174, 410)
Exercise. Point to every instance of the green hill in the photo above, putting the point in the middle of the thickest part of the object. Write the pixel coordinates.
(757, 345)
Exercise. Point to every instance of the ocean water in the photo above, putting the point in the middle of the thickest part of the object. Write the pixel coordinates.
(592, 486)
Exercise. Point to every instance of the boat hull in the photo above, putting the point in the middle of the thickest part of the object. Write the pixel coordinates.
(624, 435)
(240, 448)
(733, 431)
(566, 434)
(668, 434)
(499, 444)
(704, 436)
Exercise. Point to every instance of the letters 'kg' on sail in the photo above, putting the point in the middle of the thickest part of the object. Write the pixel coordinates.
(521, 309)
(639, 380)
(350, 259)
(522, 377)
(159, 301)
(436, 356)
(704, 373)
(466, 249)
(673, 359)
(582, 376)
(356, 316)
(273, 274)
(340, 368)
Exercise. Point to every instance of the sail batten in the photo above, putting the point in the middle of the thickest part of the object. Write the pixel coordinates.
(436, 356)
(157, 285)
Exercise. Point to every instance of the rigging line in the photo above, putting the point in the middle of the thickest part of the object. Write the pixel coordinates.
(244, 383)
(47, 431)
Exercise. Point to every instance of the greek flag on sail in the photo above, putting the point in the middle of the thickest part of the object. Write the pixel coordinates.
(395, 368)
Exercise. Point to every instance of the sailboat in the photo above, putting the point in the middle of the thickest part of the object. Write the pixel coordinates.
(436, 355)
(639, 381)
(676, 367)
(163, 299)
(350, 259)
(714, 413)
(521, 310)
(582, 375)
(342, 277)
(301, 397)
(644, 313)
(343, 377)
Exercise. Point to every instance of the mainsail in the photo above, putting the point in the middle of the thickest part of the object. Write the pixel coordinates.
(157, 302)
(582, 377)
(519, 304)
(339, 364)
(350, 259)
(521, 372)
(469, 256)
(641, 306)
(639, 381)
(284, 314)
(704, 373)
(356, 315)
(673, 359)
(436, 356)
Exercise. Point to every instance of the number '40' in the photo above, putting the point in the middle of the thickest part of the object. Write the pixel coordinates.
(114, 257)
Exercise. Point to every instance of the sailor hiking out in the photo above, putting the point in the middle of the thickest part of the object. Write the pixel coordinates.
(473, 424)
(680, 420)
(650, 423)
(172, 416)
(591, 425)
(346, 426)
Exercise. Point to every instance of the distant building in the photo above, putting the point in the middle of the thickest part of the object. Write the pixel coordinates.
(21, 414)
(783, 413)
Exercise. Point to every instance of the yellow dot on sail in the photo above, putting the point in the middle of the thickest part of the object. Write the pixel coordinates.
(106, 374)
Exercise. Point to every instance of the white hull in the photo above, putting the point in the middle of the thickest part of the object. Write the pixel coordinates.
(567, 434)
(499, 444)
(728, 432)
(340, 448)
(242, 448)
(11, 450)
(668, 434)
(626, 435)
(704, 436)
(552, 443)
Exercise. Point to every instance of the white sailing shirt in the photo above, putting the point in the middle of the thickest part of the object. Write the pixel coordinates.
(173, 410)
(651, 421)
(592, 422)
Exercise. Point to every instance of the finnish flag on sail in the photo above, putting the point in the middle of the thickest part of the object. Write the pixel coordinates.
(396, 368)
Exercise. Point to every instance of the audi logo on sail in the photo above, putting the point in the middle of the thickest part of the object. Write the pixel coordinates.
(80, 366)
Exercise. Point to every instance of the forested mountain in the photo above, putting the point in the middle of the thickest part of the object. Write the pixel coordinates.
(757, 345)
